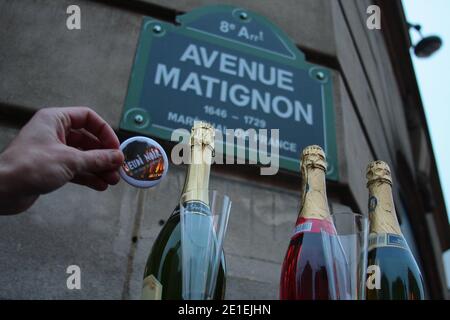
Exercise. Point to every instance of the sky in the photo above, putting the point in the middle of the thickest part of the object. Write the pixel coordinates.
(433, 77)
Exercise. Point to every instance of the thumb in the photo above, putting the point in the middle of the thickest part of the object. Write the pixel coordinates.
(100, 160)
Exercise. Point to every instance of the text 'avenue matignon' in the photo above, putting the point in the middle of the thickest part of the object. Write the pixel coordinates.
(236, 94)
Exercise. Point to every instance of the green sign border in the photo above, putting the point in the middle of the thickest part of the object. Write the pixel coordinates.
(152, 28)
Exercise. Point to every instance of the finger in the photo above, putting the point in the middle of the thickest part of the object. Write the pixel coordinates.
(91, 181)
(83, 117)
(95, 161)
(110, 177)
(83, 139)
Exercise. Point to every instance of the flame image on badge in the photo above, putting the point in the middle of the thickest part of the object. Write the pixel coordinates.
(145, 163)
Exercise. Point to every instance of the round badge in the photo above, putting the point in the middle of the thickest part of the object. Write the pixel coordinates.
(145, 163)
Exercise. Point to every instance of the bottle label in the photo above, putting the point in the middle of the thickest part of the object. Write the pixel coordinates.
(304, 227)
(152, 288)
(378, 240)
(313, 225)
(198, 207)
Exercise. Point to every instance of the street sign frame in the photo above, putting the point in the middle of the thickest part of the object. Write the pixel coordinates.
(144, 101)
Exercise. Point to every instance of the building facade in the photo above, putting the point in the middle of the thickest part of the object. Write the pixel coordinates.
(378, 115)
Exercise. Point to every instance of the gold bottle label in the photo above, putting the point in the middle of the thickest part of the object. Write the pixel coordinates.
(382, 215)
(315, 204)
(202, 151)
(314, 195)
(152, 289)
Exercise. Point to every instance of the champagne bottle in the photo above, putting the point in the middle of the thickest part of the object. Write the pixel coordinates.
(305, 273)
(393, 273)
(163, 274)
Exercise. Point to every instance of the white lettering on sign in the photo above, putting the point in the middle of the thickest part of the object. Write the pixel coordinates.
(236, 66)
(228, 64)
(192, 83)
(237, 94)
(243, 33)
(227, 27)
(168, 77)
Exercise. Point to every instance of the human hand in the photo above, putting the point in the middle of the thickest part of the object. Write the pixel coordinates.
(58, 145)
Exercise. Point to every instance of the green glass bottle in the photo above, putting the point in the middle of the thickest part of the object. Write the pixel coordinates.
(393, 273)
(163, 275)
